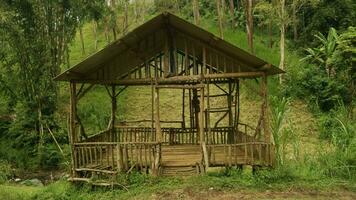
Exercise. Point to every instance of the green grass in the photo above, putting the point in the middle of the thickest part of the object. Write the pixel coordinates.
(147, 187)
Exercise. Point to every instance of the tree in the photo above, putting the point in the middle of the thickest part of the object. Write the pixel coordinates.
(344, 61)
(218, 9)
(126, 17)
(249, 24)
(267, 16)
(319, 15)
(322, 55)
(35, 36)
(196, 13)
(283, 36)
(232, 13)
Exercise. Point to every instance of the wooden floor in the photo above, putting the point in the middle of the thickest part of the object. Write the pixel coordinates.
(182, 159)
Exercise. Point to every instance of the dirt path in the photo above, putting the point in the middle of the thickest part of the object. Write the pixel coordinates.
(227, 195)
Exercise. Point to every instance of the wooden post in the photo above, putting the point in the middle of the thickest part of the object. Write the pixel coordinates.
(195, 67)
(208, 111)
(113, 112)
(229, 103)
(201, 116)
(183, 109)
(152, 107)
(267, 133)
(203, 71)
(195, 104)
(157, 117)
(186, 57)
(191, 117)
(201, 129)
(237, 108)
(72, 126)
(166, 58)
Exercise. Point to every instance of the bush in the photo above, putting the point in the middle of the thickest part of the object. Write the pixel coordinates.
(327, 126)
(5, 171)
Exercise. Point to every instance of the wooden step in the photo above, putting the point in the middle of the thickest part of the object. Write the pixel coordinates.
(181, 155)
(96, 170)
(179, 171)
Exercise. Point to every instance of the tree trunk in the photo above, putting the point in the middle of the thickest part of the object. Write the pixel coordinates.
(67, 58)
(106, 30)
(218, 7)
(41, 132)
(136, 11)
(282, 42)
(270, 34)
(223, 10)
(82, 39)
(113, 5)
(126, 17)
(294, 19)
(196, 12)
(232, 13)
(177, 6)
(249, 24)
(95, 27)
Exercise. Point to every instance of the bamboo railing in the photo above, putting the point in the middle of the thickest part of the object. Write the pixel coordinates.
(250, 153)
(111, 157)
(217, 135)
(125, 148)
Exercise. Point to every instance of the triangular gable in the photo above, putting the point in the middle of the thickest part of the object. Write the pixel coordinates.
(165, 38)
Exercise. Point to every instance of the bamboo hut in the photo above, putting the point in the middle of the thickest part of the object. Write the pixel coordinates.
(169, 53)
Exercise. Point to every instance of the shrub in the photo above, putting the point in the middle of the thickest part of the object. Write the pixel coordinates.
(5, 171)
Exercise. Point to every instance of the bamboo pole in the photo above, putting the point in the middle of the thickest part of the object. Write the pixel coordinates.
(208, 110)
(72, 127)
(183, 108)
(266, 118)
(157, 116)
(201, 130)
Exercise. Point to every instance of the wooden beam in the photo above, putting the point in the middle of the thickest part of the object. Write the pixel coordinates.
(80, 95)
(180, 86)
(175, 79)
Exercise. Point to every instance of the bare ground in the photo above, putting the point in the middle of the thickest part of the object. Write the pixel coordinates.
(246, 194)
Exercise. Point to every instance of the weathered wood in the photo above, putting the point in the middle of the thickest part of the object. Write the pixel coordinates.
(195, 67)
(183, 108)
(180, 86)
(208, 110)
(267, 133)
(72, 127)
(166, 70)
(186, 57)
(204, 61)
(157, 116)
